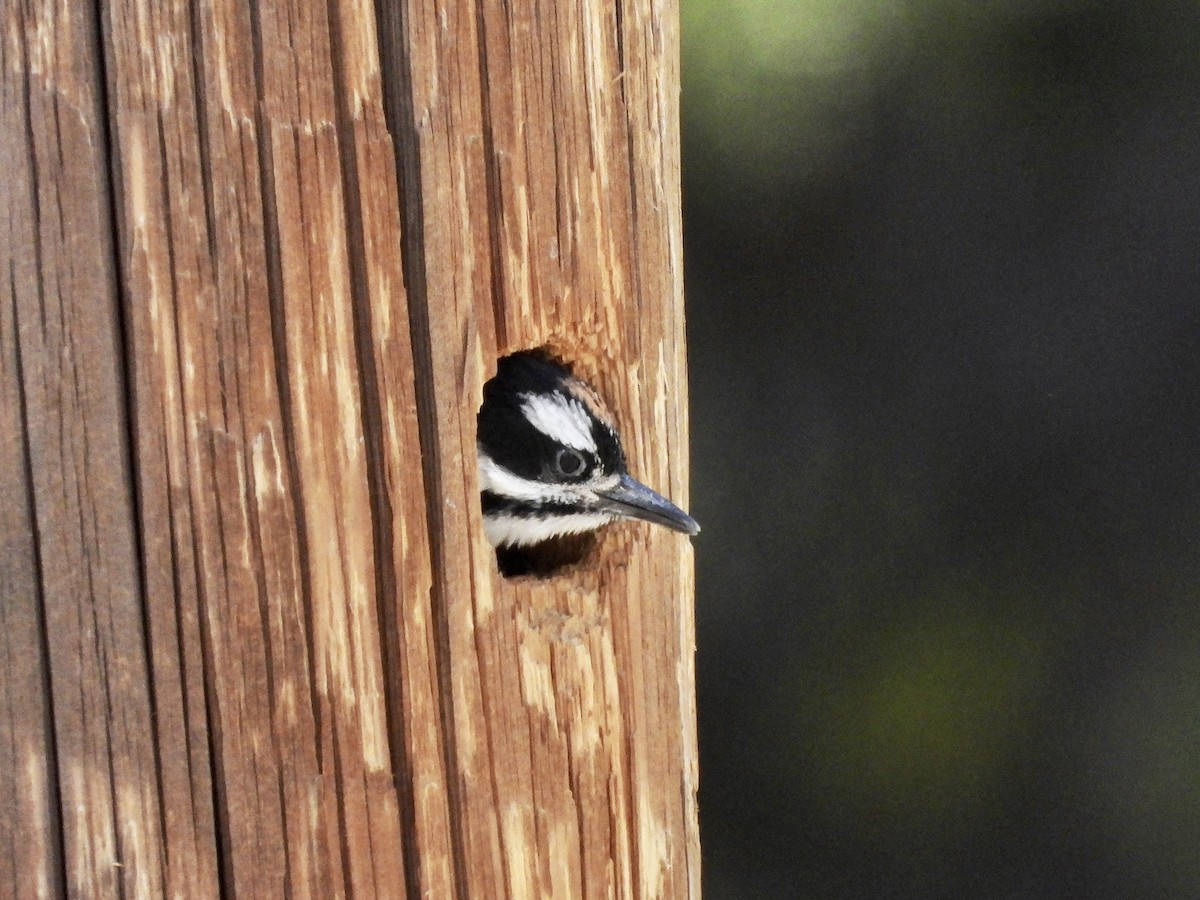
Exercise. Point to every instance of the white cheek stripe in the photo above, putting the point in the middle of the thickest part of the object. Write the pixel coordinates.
(514, 531)
(562, 419)
(499, 480)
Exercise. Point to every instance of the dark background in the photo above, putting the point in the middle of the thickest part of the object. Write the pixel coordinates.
(945, 383)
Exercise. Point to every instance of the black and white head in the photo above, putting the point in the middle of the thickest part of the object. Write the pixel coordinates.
(551, 462)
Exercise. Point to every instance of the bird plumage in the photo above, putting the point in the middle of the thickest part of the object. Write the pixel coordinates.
(551, 461)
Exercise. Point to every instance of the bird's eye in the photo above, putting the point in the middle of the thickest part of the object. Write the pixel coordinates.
(569, 462)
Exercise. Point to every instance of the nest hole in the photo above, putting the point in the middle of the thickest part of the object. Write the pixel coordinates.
(555, 555)
(549, 558)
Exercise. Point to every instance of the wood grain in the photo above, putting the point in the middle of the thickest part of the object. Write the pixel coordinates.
(260, 260)
(234, 233)
(571, 719)
(83, 658)
(30, 829)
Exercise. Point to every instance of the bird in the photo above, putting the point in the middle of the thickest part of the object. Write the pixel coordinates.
(551, 463)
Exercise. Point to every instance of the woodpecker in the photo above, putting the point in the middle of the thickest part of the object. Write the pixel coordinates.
(551, 462)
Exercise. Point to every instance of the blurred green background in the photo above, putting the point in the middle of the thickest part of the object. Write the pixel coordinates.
(943, 268)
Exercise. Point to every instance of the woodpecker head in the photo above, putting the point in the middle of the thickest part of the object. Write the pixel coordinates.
(550, 459)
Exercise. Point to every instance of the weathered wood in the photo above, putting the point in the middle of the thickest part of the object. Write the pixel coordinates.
(84, 660)
(397, 480)
(30, 834)
(571, 713)
(235, 244)
(262, 647)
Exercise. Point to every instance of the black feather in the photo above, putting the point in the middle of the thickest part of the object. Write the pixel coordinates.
(506, 436)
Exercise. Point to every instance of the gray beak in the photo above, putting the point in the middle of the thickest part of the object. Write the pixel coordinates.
(633, 500)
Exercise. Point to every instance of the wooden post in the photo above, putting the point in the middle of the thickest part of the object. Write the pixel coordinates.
(260, 261)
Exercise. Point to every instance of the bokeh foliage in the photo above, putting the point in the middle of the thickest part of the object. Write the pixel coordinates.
(945, 364)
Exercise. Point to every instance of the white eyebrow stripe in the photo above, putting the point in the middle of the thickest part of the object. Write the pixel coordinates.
(561, 419)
